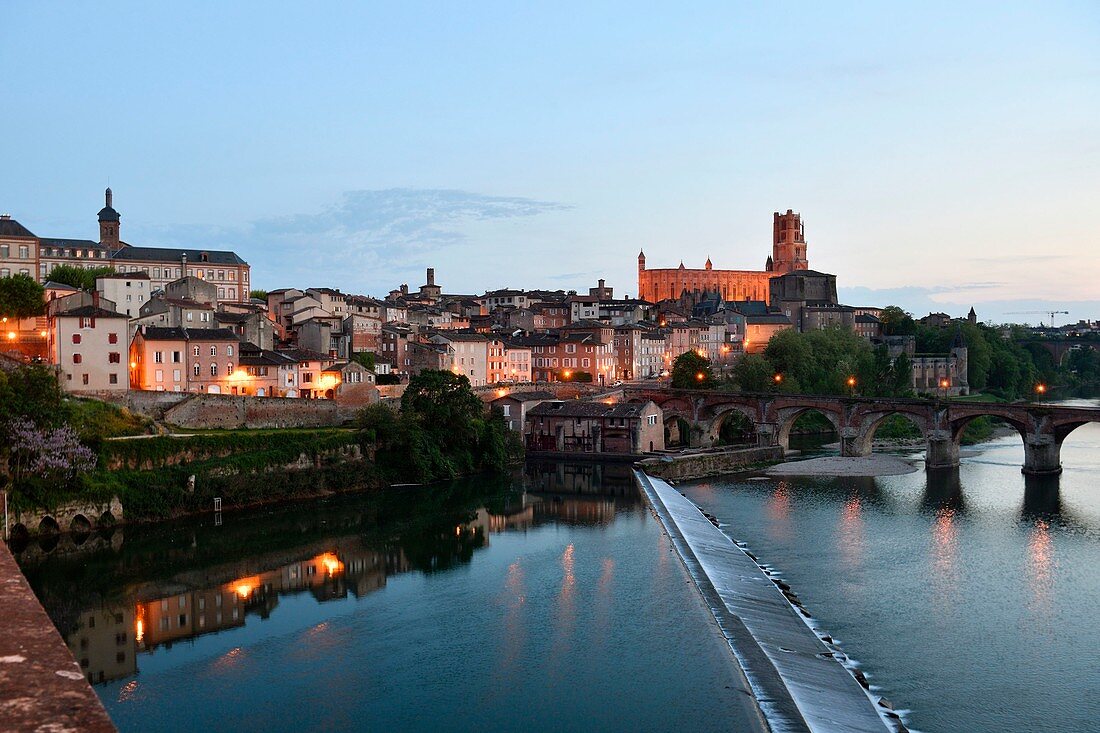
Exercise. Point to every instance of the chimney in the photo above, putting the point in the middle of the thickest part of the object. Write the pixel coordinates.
(431, 276)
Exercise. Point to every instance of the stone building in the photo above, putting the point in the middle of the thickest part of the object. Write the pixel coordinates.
(514, 406)
(579, 426)
(88, 343)
(788, 254)
(23, 251)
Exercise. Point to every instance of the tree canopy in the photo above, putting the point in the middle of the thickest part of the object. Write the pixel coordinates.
(20, 297)
(78, 277)
(692, 371)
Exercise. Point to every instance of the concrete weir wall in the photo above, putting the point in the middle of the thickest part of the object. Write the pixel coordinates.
(796, 677)
(41, 685)
(709, 463)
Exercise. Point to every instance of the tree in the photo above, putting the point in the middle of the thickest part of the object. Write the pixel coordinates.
(20, 297)
(78, 277)
(902, 374)
(366, 358)
(444, 404)
(897, 322)
(753, 373)
(258, 294)
(692, 371)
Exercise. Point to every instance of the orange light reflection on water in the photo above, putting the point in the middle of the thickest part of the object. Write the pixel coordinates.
(1040, 564)
(853, 542)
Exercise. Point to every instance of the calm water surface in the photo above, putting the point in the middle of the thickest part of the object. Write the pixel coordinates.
(970, 598)
(548, 603)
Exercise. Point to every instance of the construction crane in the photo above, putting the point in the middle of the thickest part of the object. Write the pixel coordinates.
(1039, 313)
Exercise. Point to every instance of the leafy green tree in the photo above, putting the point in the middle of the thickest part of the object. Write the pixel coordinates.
(692, 371)
(366, 358)
(754, 373)
(20, 297)
(258, 294)
(901, 373)
(444, 404)
(78, 277)
(30, 392)
(897, 322)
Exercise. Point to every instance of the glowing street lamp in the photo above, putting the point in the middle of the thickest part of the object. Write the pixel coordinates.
(700, 376)
(1040, 390)
(852, 384)
(944, 385)
(11, 335)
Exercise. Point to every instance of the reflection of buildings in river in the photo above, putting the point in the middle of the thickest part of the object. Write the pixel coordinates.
(614, 479)
(575, 510)
(103, 643)
(326, 576)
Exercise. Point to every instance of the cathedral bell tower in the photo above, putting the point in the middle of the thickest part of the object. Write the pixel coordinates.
(788, 243)
(109, 223)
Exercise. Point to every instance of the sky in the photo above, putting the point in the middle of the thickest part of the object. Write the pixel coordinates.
(942, 155)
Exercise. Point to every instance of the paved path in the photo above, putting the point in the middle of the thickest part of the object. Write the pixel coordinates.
(41, 686)
(799, 685)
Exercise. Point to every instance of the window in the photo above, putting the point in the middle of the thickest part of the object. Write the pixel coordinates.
(76, 338)
(198, 370)
(159, 375)
(158, 357)
(76, 358)
(221, 293)
(114, 357)
(112, 338)
(213, 370)
(5, 272)
(112, 378)
(190, 316)
(85, 378)
(5, 251)
(213, 351)
(176, 375)
(651, 420)
(24, 252)
(229, 368)
(221, 274)
(507, 410)
(229, 350)
(204, 317)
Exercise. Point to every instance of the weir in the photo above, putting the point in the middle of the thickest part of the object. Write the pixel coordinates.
(795, 676)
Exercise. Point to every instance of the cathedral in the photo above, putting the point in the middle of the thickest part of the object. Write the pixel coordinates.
(788, 254)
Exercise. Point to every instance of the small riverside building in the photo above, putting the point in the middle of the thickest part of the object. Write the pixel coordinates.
(515, 406)
(579, 426)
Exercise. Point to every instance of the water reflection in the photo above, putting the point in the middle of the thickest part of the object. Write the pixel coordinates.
(851, 534)
(219, 577)
(1042, 498)
(943, 491)
(1040, 562)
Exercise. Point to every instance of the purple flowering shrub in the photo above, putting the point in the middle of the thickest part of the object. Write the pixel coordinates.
(53, 455)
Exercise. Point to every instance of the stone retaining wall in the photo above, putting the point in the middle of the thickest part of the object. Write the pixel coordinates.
(709, 463)
(228, 411)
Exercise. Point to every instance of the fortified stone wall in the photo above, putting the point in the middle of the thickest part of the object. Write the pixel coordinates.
(229, 411)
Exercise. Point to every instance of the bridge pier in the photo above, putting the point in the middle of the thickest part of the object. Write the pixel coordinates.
(941, 452)
(1042, 456)
(853, 445)
(767, 435)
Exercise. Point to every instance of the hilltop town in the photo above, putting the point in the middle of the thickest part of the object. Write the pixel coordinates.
(184, 320)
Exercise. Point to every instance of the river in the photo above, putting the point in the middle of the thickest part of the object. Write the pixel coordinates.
(548, 602)
(970, 598)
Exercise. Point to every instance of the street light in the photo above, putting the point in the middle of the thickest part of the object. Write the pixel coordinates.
(700, 376)
(944, 385)
(1040, 390)
(852, 385)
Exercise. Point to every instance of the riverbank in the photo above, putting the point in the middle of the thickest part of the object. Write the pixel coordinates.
(877, 464)
(41, 685)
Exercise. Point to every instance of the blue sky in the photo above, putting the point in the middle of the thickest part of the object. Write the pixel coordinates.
(942, 155)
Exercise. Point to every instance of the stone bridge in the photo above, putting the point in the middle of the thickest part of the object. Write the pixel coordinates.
(855, 419)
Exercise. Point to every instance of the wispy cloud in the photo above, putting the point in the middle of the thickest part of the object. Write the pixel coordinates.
(367, 237)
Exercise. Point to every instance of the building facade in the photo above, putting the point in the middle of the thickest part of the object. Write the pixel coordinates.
(788, 254)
